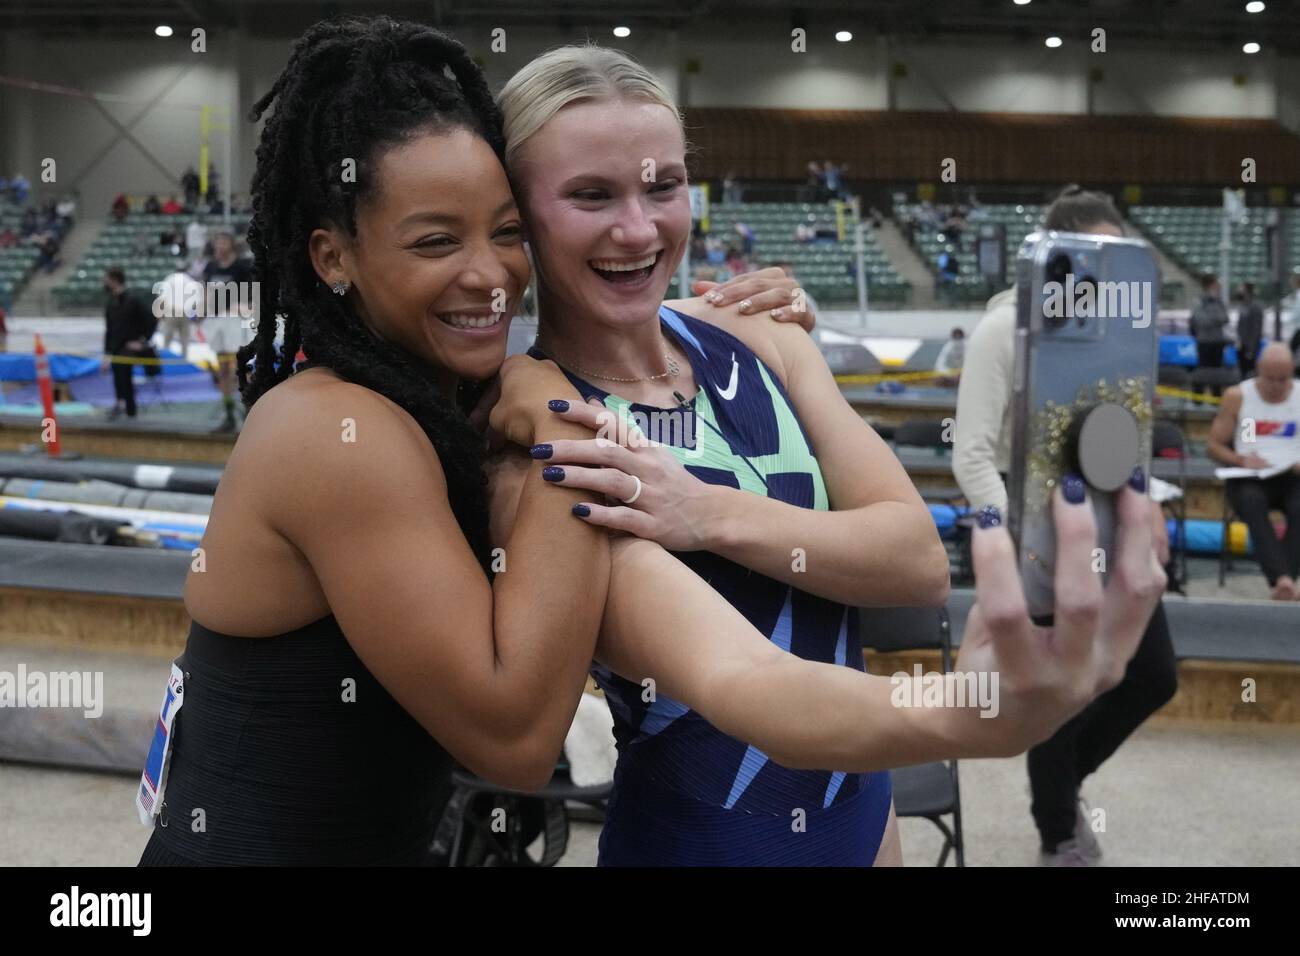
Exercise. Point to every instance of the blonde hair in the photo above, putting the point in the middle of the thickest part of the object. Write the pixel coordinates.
(571, 74)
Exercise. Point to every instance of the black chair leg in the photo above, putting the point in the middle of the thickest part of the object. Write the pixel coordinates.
(960, 839)
(948, 841)
(1225, 550)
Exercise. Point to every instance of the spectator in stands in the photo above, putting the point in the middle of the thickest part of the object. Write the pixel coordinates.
(833, 179)
(949, 270)
(816, 182)
(214, 192)
(924, 213)
(1209, 322)
(66, 212)
(981, 459)
(120, 207)
(731, 191)
(170, 239)
(152, 206)
(735, 261)
(49, 220)
(1271, 403)
(948, 365)
(190, 186)
(178, 299)
(953, 225)
(876, 218)
(128, 326)
(746, 238)
(8, 238)
(715, 251)
(226, 331)
(1250, 330)
(803, 232)
(47, 244)
(29, 223)
(1294, 322)
(196, 240)
(171, 207)
(20, 187)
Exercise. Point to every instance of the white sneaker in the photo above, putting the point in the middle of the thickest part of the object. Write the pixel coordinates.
(1084, 836)
(1066, 854)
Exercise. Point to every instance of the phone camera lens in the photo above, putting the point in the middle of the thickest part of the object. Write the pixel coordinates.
(1058, 271)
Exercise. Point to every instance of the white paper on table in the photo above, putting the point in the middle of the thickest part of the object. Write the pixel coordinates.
(1260, 473)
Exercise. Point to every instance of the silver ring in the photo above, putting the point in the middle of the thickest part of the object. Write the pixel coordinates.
(636, 494)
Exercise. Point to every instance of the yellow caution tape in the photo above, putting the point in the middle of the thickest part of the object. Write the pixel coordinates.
(921, 376)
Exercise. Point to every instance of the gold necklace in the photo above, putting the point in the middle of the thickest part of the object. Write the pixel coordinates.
(674, 369)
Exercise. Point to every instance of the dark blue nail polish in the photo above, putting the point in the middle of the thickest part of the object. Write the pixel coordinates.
(541, 451)
(558, 405)
(1138, 480)
(581, 511)
(990, 517)
(1072, 488)
(553, 473)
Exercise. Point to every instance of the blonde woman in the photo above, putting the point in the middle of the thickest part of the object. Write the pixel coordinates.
(777, 495)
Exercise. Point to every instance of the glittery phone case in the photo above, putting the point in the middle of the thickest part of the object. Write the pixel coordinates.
(1084, 358)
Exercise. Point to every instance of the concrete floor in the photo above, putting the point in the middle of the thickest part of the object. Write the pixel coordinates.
(1174, 795)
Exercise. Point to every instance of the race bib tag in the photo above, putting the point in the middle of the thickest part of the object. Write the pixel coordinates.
(148, 800)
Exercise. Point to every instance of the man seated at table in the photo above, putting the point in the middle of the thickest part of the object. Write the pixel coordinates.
(1258, 427)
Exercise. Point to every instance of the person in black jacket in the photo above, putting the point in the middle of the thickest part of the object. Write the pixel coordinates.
(1250, 330)
(1209, 320)
(128, 326)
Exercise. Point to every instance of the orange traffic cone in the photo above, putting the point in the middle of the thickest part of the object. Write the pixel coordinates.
(46, 385)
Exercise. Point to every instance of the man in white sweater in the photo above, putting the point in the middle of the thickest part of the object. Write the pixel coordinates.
(981, 459)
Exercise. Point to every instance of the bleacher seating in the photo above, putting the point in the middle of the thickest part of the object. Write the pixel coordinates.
(929, 241)
(825, 267)
(1190, 235)
(17, 263)
(116, 244)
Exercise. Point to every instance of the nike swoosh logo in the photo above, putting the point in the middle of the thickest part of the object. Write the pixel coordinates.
(728, 393)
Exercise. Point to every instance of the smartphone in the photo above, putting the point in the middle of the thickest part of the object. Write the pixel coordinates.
(1082, 388)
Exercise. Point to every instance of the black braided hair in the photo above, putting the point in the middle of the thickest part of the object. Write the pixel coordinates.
(353, 87)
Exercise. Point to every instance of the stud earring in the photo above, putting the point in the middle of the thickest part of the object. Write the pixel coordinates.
(340, 288)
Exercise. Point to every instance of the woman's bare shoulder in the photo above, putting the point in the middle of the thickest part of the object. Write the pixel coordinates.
(316, 431)
(758, 332)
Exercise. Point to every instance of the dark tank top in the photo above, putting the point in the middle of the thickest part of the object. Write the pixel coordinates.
(276, 759)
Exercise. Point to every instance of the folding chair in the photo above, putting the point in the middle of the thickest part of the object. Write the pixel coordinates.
(928, 790)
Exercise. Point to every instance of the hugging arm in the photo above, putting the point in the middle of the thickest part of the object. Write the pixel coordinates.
(492, 671)
(663, 622)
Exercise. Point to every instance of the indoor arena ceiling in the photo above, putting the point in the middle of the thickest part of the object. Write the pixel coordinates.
(1200, 24)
